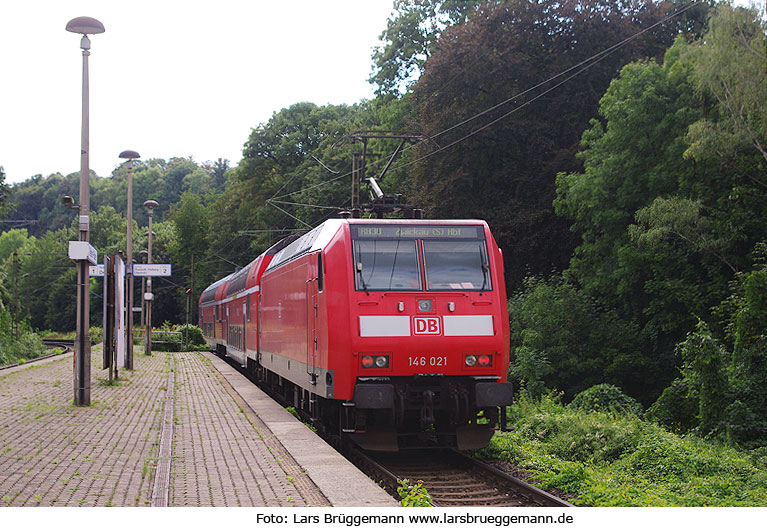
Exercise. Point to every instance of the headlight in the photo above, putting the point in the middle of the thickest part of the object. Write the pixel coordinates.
(483, 361)
(375, 361)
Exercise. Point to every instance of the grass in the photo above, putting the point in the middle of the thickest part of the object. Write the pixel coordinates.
(611, 459)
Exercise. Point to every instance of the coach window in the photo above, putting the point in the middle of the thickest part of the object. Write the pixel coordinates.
(453, 265)
(247, 306)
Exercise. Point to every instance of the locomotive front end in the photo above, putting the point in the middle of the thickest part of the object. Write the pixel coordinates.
(431, 350)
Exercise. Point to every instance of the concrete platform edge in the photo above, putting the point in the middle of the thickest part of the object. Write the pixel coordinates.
(338, 479)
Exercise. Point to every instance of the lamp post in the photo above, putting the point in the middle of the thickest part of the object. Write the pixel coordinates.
(150, 206)
(82, 371)
(142, 321)
(131, 156)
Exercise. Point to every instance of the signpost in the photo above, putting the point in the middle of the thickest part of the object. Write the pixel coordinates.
(113, 271)
(152, 270)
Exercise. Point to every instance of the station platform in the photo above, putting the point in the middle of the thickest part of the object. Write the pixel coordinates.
(181, 429)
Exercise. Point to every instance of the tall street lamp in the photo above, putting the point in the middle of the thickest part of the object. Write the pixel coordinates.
(150, 206)
(142, 321)
(131, 156)
(82, 377)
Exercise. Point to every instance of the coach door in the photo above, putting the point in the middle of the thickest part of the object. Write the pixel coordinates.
(226, 324)
(244, 326)
(311, 328)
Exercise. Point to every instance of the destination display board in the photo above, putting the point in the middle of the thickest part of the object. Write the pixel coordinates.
(441, 232)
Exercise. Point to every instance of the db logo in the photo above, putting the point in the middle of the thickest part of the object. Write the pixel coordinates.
(427, 326)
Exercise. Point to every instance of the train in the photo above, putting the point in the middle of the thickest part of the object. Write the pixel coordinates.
(391, 332)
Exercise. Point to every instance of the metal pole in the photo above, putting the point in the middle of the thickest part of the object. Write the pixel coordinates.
(143, 291)
(130, 155)
(82, 358)
(129, 262)
(150, 205)
(186, 330)
(148, 328)
(82, 373)
(14, 303)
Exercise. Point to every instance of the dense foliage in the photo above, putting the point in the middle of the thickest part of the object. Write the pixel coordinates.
(17, 340)
(612, 459)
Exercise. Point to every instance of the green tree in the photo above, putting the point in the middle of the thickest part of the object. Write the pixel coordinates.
(704, 369)
(562, 339)
(748, 365)
(729, 64)
(5, 193)
(411, 31)
(500, 154)
(288, 167)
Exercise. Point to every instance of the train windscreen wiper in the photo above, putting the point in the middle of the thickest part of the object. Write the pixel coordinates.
(485, 270)
(362, 278)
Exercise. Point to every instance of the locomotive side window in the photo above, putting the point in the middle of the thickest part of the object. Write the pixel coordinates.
(386, 265)
(320, 274)
(452, 265)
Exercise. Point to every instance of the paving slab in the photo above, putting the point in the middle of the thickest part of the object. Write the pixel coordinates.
(175, 431)
(338, 479)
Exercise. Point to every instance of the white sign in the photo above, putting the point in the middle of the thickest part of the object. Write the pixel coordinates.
(97, 270)
(152, 270)
(120, 310)
(81, 250)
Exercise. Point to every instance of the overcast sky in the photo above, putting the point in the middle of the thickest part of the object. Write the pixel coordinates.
(171, 77)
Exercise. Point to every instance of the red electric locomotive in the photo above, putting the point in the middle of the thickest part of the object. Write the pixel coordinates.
(394, 332)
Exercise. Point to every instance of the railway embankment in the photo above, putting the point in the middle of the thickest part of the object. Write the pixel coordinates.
(619, 459)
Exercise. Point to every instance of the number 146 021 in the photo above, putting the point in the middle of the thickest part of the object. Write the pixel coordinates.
(431, 361)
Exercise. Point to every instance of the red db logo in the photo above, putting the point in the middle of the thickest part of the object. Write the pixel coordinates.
(427, 326)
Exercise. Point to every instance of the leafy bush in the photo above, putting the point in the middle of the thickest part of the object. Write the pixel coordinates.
(23, 345)
(606, 397)
(562, 339)
(613, 459)
(676, 409)
(193, 335)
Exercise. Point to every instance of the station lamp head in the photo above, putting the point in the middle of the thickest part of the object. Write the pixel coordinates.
(151, 204)
(68, 202)
(85, 26)
(129, 154)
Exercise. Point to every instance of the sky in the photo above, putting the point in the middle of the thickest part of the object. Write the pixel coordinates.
(172, 78)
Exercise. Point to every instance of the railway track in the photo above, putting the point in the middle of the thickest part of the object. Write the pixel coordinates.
(451, 478)
(66, 345)
(454, 479)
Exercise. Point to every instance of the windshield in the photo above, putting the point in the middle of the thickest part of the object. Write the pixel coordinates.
(452, 265)
(386, 265)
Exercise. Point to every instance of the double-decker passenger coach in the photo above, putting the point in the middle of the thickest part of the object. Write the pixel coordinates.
(394, 332)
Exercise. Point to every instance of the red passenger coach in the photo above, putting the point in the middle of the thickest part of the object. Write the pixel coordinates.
(394, 332)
